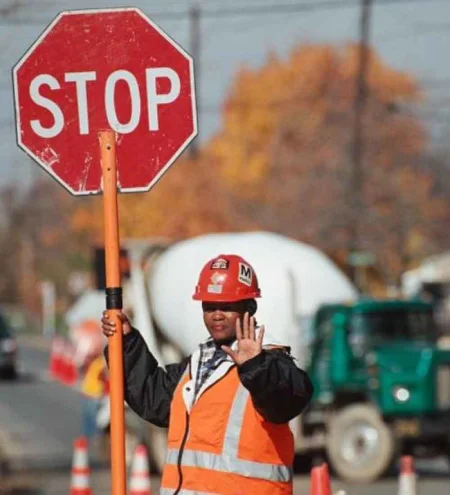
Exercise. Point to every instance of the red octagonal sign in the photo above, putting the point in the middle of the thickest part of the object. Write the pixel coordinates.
(104, 69)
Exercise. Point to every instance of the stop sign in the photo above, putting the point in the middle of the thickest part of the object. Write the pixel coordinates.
(104, 69)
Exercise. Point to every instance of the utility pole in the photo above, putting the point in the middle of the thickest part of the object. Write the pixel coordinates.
(356, 181)
(194, 20)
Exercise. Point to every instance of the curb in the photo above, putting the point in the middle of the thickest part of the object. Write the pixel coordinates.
(10, 452)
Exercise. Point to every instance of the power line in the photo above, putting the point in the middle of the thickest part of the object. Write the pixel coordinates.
(299, 7)
(9, 9)
(282, 8)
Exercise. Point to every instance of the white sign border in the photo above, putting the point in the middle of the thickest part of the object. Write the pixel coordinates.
(31, 49)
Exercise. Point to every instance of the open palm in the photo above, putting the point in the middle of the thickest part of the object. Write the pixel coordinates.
(248, 346)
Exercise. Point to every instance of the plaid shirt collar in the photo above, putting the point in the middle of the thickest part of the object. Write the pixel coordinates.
(211, 357)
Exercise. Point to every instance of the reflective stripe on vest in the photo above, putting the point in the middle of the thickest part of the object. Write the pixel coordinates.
(170, 491)
(228, 460)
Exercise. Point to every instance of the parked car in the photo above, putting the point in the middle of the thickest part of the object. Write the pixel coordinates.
(8, 350)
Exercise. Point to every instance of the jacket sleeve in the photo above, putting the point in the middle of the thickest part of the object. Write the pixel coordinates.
(148, 388)
(279, 389)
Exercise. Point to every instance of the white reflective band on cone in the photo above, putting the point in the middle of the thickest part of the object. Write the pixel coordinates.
(407, 484)
(80, 481)
(139, 464)
(140, 484)
(80, 459)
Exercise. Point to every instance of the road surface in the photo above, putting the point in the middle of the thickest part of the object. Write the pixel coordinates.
(39, 419)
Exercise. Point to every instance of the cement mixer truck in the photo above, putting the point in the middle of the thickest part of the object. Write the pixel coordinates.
(375, 365)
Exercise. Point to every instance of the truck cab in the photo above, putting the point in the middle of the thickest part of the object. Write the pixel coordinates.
(381, 383)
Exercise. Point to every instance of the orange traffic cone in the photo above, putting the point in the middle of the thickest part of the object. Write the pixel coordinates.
(80, 483)
(69, 372)
(140, 476)
(407, 480)
(56, 358)
(320, 481)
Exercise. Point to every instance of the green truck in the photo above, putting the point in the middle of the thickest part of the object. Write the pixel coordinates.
(382, 386)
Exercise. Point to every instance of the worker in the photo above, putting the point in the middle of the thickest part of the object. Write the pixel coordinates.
(228, 405)
(94, 386)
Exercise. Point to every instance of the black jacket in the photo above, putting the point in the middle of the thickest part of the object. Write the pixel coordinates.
(279, 389)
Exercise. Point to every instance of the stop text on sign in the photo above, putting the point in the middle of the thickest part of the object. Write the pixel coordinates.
(81, 82)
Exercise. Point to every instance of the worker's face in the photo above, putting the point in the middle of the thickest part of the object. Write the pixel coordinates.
(220, 319)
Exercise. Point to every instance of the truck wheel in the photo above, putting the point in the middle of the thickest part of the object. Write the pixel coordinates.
(360, 445)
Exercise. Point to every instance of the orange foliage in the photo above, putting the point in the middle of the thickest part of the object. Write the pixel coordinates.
(282, 161)
(313, 83)
(188, 201)
(285, 151)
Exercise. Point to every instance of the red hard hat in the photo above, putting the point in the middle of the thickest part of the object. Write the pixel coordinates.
(227, 278)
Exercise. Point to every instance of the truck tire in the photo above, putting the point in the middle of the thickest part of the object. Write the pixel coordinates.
(360, 446)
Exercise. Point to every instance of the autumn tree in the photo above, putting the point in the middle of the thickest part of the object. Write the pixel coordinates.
(282, 162)
(36, 243)
(284, 151)
(189, 200)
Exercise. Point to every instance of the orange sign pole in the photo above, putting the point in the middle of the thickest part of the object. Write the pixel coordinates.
(114, 305)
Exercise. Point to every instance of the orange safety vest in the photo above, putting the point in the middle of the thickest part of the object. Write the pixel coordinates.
(219, 444)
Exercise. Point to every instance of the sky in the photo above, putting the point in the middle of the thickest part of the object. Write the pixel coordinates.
(410, 35)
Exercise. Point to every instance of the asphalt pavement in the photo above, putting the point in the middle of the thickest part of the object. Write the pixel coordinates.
(39, 419)
(57, 483)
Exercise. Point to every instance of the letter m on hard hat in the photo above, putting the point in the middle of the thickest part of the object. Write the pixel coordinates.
(245, 274)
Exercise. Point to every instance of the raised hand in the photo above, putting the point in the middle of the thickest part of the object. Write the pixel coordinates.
(248, 346)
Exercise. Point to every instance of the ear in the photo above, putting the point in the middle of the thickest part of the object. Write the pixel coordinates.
(252, 306)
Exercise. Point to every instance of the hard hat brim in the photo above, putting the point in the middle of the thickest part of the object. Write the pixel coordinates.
(207, 297)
